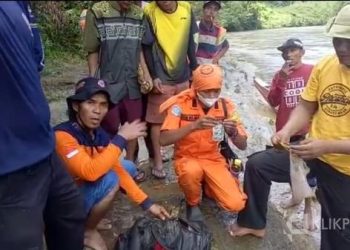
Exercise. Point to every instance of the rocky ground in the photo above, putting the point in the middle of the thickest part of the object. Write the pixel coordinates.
(281, 231)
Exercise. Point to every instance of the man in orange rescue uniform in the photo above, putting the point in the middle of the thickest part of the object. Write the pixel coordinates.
(191, 124)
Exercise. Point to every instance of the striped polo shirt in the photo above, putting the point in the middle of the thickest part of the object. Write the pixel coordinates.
(210, 42)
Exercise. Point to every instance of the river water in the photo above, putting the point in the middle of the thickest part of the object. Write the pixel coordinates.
(259, 47)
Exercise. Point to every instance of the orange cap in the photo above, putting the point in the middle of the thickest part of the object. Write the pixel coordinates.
(207, 76)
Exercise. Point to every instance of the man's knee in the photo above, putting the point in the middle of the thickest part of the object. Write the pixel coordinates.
(190, 170)
(97, 191)
(253, 162)
(234, 204)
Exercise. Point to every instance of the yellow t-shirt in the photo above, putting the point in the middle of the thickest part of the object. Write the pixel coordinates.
(329, 85)
(172, 32)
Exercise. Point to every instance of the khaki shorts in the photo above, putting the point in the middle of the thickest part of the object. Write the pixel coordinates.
(155, 100)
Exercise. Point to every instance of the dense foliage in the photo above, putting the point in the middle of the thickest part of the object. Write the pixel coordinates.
(59, 20)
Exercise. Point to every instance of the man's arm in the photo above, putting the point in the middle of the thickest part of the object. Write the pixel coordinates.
(131, 188)
(168, 137)
(37, 41)
(338, 146)
(299, 118)
(275, 94)
(91, 39)
(193, 43)
(83, 165)
(143, 64)
(93, 63)
(234, 127)
(171, 136)
(147, 46)
(224, 48)
(240, 141)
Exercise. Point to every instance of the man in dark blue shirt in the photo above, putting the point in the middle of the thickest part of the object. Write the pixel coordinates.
(34, 186)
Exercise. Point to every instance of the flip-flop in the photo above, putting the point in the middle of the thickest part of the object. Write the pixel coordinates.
(141, 176)
(159, 174)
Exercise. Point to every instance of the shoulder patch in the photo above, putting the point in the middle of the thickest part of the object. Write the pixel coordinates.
(176, 110)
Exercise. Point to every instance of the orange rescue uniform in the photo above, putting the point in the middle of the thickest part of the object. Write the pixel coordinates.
(198, 159)
(90, 163)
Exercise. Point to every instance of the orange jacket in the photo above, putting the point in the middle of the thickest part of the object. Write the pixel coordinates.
(198, 144)
(88, 160)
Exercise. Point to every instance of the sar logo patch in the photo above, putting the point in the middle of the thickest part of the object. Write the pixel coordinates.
(335, 100)
(176, 110)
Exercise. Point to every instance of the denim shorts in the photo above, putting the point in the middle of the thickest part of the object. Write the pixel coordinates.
(95, 192)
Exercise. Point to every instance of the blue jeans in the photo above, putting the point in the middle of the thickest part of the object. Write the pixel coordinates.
(95, 192)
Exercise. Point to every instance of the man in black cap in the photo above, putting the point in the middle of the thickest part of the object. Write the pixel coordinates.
(212, 42)
(272, 164)
(92, 158)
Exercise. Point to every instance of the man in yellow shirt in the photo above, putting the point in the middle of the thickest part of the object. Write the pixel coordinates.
(169, 46)
(326, 100)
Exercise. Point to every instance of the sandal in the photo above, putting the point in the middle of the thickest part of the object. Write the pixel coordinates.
(140, 176)
(159, 174)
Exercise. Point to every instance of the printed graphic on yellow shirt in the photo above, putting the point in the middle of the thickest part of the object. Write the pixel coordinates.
(335, 100)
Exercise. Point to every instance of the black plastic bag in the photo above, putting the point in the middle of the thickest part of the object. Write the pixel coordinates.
(174, 234)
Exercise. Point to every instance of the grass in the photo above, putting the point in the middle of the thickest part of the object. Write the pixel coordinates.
(57, 61)
(302, 14)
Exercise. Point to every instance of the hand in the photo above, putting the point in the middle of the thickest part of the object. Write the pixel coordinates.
(309, 148)
(157, 86)
(281, 137)
(204, 122)
(131, 131)
(215, 60)
(146, 87)
(159, 211)
(230, 126)
(286, 69)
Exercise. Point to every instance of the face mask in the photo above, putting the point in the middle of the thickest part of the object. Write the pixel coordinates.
(208, 102)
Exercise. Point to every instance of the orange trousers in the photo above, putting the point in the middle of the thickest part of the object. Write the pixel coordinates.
(219, 184)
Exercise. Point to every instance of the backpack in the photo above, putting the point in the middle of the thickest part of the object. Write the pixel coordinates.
(172, 234)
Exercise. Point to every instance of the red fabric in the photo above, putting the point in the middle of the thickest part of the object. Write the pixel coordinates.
(285, 93)
(158, 247)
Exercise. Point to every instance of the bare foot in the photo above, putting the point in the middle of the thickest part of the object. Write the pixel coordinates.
(93, 239)
(236, 230)
(310, 215)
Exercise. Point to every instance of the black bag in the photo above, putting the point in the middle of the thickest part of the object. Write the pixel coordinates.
(173, 234)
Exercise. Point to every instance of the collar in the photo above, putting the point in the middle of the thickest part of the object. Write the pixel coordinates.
(84, 138)
(116, 6)
(204, 27)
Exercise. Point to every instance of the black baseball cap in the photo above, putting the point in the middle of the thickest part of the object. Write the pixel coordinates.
(85, 89)
(291, 43)
(216, 2)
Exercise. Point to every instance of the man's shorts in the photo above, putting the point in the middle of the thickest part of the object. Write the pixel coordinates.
(95, 192)
(155, 100)
(126, 110)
